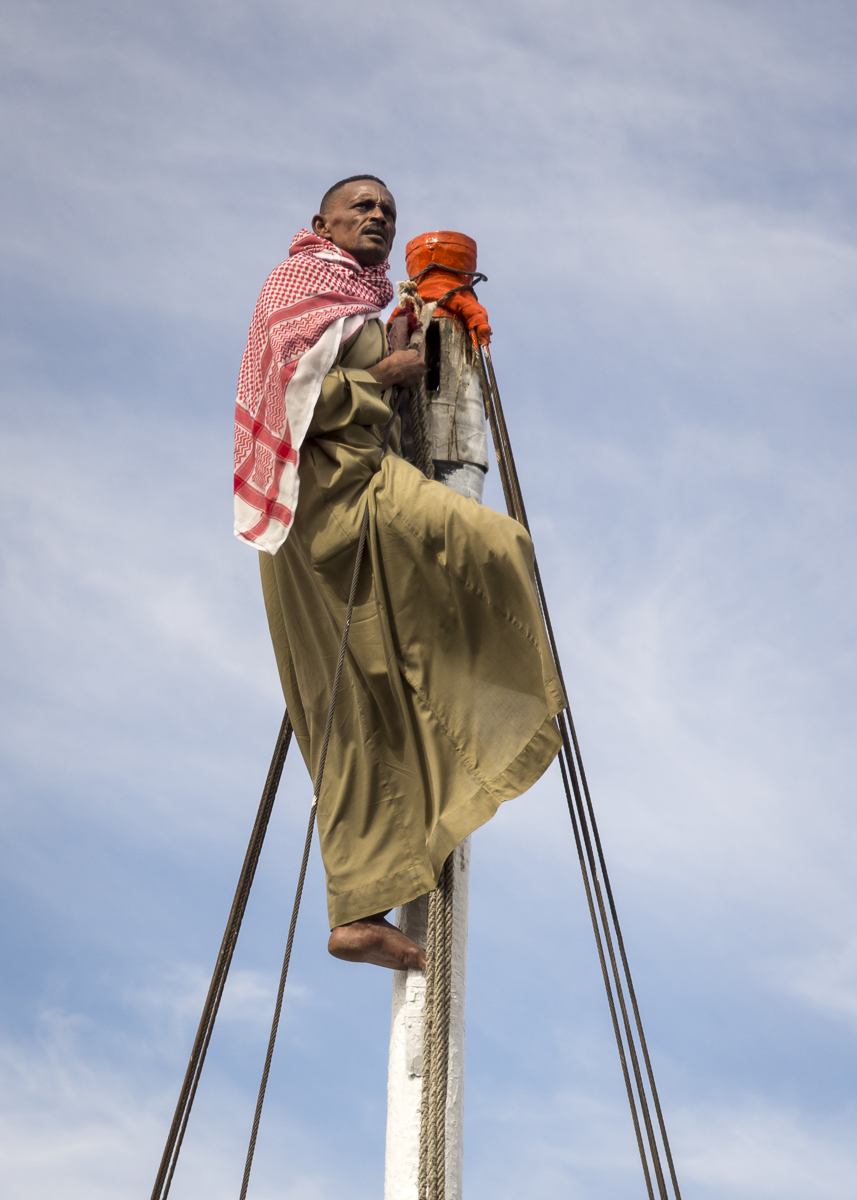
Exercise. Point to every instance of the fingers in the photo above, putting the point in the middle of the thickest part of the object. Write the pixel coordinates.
(403, 368)
(407, 358)
(409, 366)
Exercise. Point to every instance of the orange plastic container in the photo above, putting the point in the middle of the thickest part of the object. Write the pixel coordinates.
(445, 248)
(453, 257)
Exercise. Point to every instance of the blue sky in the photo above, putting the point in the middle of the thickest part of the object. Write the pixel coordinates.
(663, 194)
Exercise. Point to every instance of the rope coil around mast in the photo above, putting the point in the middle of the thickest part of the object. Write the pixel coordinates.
(431, 1179)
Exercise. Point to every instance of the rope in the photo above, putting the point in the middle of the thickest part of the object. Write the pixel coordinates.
(423, 310)
(605, 921)
(187, 1095)
(431, 1183)
(175, 1137)
(516, 508)
(605, 925)
(473, 276)
(422, 456)
(618, 983)
(590, 833)
(343, 645)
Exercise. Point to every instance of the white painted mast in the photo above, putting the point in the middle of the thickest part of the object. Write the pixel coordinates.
(457, 431)
(404, 1082)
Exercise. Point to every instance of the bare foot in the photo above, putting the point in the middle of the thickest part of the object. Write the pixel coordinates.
(374, 940)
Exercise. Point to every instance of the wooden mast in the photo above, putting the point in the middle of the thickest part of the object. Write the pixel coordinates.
(404, 1080)
(457, 433)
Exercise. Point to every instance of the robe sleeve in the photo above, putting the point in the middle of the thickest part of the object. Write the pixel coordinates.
(349, 396)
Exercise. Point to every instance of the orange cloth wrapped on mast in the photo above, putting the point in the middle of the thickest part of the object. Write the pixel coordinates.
(439, 262)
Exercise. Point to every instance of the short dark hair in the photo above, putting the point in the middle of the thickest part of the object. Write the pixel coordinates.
(328, 197)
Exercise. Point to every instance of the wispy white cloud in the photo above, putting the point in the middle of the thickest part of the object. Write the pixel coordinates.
(80, 1129)
(761, 1150)
(825, 977)
(749, 1151)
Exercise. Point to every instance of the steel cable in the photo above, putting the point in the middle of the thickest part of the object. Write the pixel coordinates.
(187, 1095)
(590, 855)
(175, 1137)
(574, 766)
(343, 646)
(606, 930)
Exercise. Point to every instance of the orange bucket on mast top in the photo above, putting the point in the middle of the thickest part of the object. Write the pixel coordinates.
(442, 262)
(444, 248)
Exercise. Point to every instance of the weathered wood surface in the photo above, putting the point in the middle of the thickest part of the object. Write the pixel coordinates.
(456, 413)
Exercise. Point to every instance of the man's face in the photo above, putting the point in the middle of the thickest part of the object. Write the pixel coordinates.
(361, 220)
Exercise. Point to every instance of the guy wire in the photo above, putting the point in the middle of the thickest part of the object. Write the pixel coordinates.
(585, 832)
(187, 1095)
(334, 693)
(572, 771)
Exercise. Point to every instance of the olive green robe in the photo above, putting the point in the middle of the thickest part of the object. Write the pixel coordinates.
(449, 690)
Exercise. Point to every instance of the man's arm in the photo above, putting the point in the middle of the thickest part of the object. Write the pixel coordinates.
(402, 368)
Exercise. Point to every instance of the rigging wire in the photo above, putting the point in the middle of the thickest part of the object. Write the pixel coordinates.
(328, 729)
(605, 921)
(175, 1137)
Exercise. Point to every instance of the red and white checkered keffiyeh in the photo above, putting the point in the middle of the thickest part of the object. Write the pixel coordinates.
(310, 305)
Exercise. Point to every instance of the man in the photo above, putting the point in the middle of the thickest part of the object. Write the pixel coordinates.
(449, 691)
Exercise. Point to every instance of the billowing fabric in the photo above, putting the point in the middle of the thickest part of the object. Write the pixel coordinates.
(449, 690)
(310, 305)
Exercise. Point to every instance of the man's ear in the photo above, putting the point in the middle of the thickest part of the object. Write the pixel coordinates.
(319, 226)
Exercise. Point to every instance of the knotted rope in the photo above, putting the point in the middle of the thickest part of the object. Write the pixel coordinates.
(422, 458)
(436, 1016)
